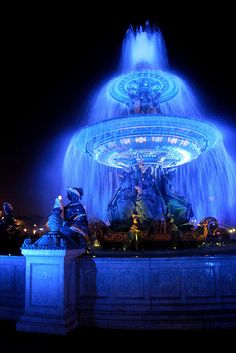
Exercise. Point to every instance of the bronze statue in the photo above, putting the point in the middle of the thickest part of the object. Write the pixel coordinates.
(68, 225)
(122, 205)
(8, 230)
(75, 223)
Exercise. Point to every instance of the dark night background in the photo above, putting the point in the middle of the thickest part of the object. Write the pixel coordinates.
(54, 57)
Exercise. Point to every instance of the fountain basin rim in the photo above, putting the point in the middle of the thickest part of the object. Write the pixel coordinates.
(176, 139)
(183, 118)
(166, 84)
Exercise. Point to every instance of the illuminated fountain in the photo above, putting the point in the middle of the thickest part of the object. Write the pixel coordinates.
(147, 143)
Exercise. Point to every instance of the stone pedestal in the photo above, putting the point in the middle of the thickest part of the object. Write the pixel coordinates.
(50, 292)
(158, 293)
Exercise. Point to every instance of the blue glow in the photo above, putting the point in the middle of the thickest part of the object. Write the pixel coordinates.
(144, 47)
(178, 137)
(104, 107)
(209, 182)
(165, 141)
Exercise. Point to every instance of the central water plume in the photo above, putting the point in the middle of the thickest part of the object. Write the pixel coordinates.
(143, 48)
(209, 182)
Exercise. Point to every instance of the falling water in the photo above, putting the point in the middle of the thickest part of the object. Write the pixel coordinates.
(209, 182)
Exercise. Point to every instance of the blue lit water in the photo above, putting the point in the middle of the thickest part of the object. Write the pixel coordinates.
(209, 182)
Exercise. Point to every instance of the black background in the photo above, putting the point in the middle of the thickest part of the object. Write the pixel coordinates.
(54, 56)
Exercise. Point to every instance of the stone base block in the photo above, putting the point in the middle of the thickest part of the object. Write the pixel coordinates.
(56, 326)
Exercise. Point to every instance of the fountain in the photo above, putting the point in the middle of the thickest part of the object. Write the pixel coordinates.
(148, 152)
(146, 144)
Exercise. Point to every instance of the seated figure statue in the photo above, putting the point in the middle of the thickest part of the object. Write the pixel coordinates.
(75, 223)
(68, 225)
(177, 205)
(121, 207)
(150, 206)
(7, 220)
(8, 230)
(134, 104)
(144, 101)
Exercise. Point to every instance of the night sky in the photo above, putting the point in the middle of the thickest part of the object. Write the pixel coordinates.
(53, 58)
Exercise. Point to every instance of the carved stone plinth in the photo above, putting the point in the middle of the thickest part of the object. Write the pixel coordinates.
(178, 292)
(50, 292)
